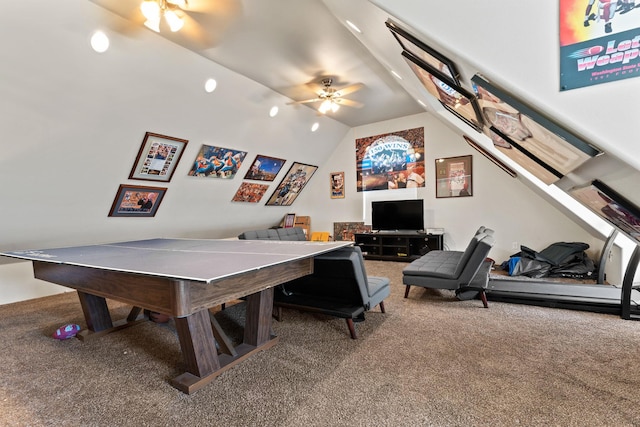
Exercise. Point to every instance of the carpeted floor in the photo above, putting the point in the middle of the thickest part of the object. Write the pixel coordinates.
(429, 361)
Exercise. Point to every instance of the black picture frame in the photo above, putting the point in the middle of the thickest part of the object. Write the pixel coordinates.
(259, 172)
(454, 177)
(416, 47)
(611, 206)
(529, 137)
(291, 185)
(459, 101)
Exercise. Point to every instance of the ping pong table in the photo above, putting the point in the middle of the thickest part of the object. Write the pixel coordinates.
(183, 278)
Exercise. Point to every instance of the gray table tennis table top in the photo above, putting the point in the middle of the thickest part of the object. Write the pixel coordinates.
(204, 260)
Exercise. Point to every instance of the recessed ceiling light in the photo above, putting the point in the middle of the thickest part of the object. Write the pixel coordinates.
(99, 42)
(315, 127)
(398, 76)
(210, 85)
(273, 112)
(353, 26)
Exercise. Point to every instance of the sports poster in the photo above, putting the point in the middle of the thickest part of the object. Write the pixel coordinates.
(599, 41)
(390, 161)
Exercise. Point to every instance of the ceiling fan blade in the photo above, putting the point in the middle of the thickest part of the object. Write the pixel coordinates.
(306, 101)
(211, 6)
(349, 89)
(348, 102)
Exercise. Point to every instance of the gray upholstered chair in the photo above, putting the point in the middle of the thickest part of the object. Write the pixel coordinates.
(466, 272)
(339, 286)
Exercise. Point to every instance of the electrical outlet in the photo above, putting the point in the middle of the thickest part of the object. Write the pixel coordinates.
(515, 245)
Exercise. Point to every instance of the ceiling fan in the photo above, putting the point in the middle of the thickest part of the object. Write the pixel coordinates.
(195, 24)
(331, 98)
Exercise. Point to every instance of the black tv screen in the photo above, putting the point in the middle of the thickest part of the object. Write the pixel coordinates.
(397, 215)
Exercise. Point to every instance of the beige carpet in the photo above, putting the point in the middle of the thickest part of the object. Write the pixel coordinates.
(429, 361)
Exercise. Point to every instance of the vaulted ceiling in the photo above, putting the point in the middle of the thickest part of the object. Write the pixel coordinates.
(290, 46)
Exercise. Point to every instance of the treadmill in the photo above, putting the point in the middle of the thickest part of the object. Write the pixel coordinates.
(602, 298)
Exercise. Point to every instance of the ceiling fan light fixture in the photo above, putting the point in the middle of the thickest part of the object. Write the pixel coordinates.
(151, 10)
(153, 24)
(325, 106)
(173, 20)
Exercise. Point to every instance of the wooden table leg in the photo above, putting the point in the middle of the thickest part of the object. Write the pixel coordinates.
(198, 343)
(257, 329)
(96, 312)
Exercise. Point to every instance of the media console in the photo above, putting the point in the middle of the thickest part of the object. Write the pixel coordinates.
(400, 246)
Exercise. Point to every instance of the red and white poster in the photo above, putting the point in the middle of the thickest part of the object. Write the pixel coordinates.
(599, 41)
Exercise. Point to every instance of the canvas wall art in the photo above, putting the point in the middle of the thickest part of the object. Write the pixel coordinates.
(217, 162)
(390, 161)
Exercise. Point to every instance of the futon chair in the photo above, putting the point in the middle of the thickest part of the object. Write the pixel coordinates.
(467, 273)
(339, 286)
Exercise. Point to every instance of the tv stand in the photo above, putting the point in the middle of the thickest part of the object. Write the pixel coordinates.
(397, 246)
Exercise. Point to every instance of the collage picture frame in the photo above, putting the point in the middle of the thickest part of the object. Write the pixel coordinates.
(158, 157)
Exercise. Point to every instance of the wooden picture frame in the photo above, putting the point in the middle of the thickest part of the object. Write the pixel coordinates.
(454, 177)
(491, 157)
(264, 168)
(336, 184)
(292, 184)
(137, 201)
(429, 55)
(457, 100)
(158, 157)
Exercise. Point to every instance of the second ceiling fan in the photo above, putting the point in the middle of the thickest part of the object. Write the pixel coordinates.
(331, 98)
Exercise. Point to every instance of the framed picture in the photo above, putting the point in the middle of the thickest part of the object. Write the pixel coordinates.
(529, 138)
(264, 168)
(610, 205)
(454, 177)
(157, 157)
(490, 156)
(137, 200)
(420, 50)
(217, 162)
(289, 220)
(457, 100)
(250, 192)
(336, 182)
(390, 161)
(291, 185)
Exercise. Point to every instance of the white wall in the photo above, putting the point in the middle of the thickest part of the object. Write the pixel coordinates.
(72, 122)
(512, 209)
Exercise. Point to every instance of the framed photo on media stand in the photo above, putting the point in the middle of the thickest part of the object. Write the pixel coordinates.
(460, 102)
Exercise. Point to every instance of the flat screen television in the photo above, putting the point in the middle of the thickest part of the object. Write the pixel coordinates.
(397, 215)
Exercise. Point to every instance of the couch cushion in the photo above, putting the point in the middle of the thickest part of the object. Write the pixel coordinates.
(293, 233)
(268, 234)
(435, 264)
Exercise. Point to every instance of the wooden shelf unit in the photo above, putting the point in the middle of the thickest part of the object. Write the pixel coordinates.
(397, 246)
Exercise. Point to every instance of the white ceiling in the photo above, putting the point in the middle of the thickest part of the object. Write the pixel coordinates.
(289, 46)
